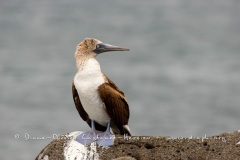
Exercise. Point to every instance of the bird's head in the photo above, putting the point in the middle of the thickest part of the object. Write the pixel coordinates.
(91, 47)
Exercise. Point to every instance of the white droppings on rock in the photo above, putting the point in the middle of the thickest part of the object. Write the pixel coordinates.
(74, 150)
(45, 157)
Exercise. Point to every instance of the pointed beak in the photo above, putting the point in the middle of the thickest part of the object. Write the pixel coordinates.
(100, 48)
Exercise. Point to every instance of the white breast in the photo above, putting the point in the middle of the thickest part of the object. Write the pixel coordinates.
(86, 81)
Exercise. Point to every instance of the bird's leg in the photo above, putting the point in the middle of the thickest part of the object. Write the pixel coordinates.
(106, 138)
(93, 128)
(88, 137)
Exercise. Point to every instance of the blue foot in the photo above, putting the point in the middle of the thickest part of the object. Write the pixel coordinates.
(105, 139)
(102, 138)
(87, 138)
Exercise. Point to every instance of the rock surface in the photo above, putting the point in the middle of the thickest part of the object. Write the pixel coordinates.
(220, 147)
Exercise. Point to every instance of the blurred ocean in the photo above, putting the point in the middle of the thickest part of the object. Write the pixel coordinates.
(181, 77)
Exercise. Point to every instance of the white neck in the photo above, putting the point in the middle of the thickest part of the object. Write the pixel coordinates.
(89, 70)
(90, 66)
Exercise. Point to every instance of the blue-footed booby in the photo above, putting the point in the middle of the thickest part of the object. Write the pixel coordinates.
(98, 100)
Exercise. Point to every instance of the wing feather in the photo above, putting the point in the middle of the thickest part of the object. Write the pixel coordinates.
(116, 104)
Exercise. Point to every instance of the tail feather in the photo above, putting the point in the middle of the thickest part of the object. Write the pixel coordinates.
(126, 130)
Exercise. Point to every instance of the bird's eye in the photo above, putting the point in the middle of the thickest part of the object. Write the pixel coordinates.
(97, 46)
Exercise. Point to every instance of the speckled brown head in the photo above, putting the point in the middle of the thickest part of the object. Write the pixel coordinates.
(91, 47)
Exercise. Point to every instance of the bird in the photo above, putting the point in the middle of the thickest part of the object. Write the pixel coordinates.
(98, 100)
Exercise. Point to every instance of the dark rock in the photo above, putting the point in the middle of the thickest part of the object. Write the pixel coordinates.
(223, 146)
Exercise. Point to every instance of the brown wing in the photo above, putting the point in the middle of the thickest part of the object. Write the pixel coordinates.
(110, 82)
(116, 104)
(81, 110)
